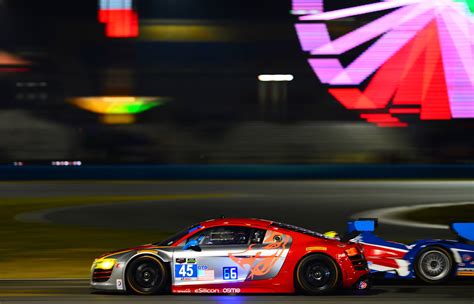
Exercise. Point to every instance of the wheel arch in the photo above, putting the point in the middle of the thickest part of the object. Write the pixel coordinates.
(166, 264)
(295, 271)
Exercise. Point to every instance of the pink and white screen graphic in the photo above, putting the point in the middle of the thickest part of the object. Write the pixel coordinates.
(420, 58)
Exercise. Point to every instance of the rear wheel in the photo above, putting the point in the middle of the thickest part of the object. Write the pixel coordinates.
(434, 265)
(146, 275)
(317, 274)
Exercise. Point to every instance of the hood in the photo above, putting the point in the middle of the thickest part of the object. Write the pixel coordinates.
(142, 247)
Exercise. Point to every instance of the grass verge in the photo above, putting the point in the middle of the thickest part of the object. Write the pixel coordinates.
(42, 251)
(441, 215)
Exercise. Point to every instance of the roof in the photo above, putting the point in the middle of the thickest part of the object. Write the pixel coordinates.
(237, 221)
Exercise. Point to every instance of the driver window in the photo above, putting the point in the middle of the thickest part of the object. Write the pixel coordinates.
(224, 236)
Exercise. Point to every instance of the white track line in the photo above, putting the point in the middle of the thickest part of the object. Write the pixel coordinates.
(392, 216)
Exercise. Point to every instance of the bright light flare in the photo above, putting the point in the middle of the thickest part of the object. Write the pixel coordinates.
(117, 105)
(8, 59)
(275, 77)
(121, 20)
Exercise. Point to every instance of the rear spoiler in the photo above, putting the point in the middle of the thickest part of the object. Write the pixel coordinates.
(356, 227)
(464, 230)
(362, 225)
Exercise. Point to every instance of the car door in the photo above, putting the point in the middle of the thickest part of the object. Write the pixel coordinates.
(213, 264)
(230, 254)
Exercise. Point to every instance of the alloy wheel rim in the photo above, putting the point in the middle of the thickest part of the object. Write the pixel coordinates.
(146, 275)
(434, 265)
(317, 274)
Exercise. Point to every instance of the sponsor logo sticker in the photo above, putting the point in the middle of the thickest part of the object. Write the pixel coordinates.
(231, 290)
(316, 248)
(467, 258)
(206, 275)
(207, 290)
(119, 284)
(180, 260)
(192, 260)
(217, 290)
(182, 291)
(362, 285)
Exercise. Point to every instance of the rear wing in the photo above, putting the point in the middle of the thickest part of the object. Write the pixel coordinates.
(362, 225)
(356, 227)
(464, 230)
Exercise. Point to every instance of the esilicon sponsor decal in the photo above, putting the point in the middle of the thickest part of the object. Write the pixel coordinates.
(217, 290)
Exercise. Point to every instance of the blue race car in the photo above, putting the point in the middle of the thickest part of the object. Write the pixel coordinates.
(432, 261)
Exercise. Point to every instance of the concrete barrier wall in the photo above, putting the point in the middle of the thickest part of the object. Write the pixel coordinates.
(229, 172)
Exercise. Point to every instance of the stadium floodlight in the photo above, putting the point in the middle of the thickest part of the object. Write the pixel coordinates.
(275, 77)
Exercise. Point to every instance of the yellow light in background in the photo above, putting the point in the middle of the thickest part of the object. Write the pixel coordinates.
(181, 32)
(118, 104)
(12, 59)
(117, 119)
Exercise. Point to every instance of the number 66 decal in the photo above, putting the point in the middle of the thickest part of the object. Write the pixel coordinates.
(230, 273)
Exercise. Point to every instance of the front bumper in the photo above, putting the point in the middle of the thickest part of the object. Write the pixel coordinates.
(116, 281)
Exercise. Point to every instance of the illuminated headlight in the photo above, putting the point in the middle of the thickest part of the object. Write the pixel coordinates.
(105, 264)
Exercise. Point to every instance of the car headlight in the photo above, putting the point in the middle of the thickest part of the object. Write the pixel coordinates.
(105, 264)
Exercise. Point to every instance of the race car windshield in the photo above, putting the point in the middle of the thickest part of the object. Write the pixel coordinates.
(298, 229)
(171, 240)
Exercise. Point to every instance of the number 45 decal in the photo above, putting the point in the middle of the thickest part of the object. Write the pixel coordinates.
(185, 271)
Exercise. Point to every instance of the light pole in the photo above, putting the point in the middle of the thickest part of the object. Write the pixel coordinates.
(272, 95)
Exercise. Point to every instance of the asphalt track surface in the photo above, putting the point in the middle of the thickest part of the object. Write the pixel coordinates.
(317, 205)
(79, 292)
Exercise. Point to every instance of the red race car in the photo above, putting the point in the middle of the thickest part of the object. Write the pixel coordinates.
(230, 256)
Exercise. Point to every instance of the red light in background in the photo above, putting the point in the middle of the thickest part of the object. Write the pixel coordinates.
(413, 77)
(392, 125)
(13, 70)
(384, 120)
(405, 111)
(120, 23)
(379, 118)
(121, 20)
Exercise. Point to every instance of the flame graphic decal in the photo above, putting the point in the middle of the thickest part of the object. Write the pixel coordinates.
(261, 264)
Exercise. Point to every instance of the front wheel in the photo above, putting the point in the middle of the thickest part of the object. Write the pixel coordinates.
(317, 274)
(147, 275)
(434, 265)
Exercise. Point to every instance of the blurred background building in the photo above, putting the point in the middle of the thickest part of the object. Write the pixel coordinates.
(177, 81)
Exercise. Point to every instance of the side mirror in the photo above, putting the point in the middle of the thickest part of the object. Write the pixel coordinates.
(193, 245)
(362, 225)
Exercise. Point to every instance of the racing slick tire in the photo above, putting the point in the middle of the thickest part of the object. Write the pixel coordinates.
(317, 274)
(147, 275)
(434, 265)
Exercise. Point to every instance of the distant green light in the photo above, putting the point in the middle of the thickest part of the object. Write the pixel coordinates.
(135, 107)
(118, 105)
